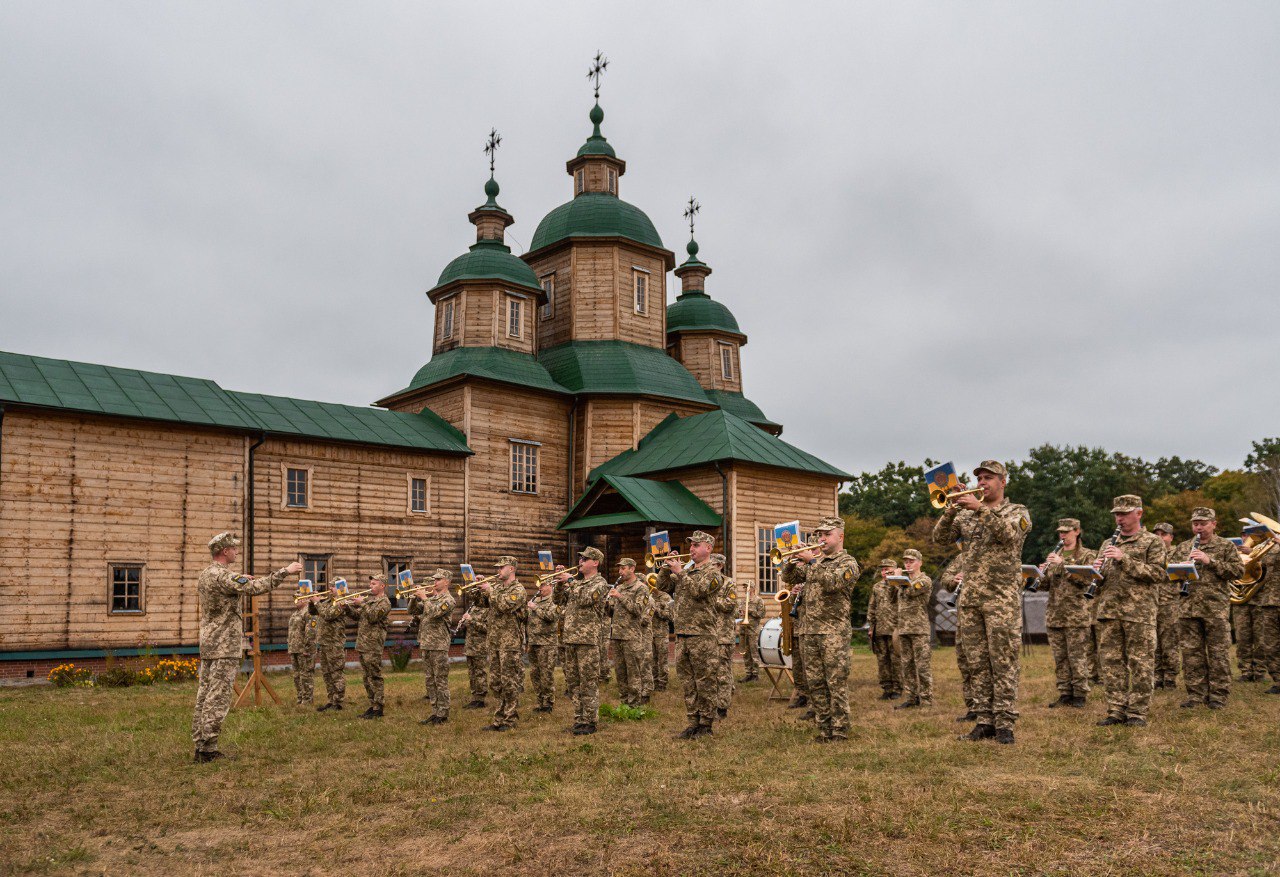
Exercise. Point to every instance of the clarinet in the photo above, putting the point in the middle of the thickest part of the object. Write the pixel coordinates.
(1184, 587)
(1092, 591)
(1034, 585)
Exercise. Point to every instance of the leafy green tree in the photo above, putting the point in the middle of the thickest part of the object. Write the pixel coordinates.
(1264, 461)
(895, 495)
(1174, 475)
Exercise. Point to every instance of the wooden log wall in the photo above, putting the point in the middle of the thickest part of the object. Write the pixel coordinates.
(556, 328)
(700, 354)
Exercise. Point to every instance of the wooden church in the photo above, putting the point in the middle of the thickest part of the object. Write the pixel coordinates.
(564, 404)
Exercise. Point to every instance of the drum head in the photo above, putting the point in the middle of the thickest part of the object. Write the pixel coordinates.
(769, 645)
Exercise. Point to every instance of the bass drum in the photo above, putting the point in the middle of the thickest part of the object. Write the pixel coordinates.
(769, 645)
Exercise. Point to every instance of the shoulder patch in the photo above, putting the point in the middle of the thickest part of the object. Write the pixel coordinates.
(848, 574)
(1024, 523)
(513, 597)
(240, 579)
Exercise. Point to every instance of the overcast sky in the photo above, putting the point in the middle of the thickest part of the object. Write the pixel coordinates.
(982, 226)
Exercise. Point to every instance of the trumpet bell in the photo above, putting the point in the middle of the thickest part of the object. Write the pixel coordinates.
(940, 499)
(782, 596)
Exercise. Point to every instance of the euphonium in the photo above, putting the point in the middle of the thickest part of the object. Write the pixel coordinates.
(1244, 588)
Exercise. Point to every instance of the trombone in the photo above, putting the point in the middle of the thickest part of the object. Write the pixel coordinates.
(652, 562)
(777, 555)
(940, 499)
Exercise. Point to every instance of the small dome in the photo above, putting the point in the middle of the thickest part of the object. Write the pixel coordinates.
(490, 260)
(596, 144)
(697, 311)
(595, 214)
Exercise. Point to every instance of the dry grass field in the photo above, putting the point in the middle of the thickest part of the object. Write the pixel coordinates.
(100, 781)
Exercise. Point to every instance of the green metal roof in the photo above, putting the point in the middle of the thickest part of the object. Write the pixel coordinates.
(697, 310)
(494, 363)
(635, 501)
(740, 406)
(101, 389)
(490, 260)
(620, 367)
(595, 214)
(717, 436)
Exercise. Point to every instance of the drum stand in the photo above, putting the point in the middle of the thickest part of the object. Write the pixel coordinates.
(778, 677)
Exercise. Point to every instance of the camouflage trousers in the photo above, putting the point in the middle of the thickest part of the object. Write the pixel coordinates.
(1070, 647)
(1206, 658)
(478, 675)
(992, 632)
(1127, 657)
(604, 656)
(646, 662)
(1269, 639)
(698, 668)
(304, 676)
(799, 681)
(962, 664)
(333, 660)
(628, 655)
(826, 662)
(213, 700)
(1168, 649)
(506, 678)
(750, 636)
(371, 666)
(1246, 622)
(582, 673)
(724, 699)
(916, 652)
(435, 668)
(1095, 668)
(888, 664)
(661, 659)
(542, 668)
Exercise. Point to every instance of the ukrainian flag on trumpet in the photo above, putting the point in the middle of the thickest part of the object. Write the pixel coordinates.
(942, 478)
(546, 561)
(787, 536)
(660, 543)
(468, 573)
(340, 586)
(405, 578)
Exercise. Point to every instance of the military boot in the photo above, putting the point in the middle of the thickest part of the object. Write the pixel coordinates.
(1004, 735)
(1063, 700)
(910, 703)
(980, 732)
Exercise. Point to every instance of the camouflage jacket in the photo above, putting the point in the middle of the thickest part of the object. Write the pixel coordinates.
(544, 621)
(1269, 591)
(993, 540)
(828, 589)
(221, 621)
(302, 630)
(882, 611)
(582, 601)
(727, 609)
(475, 641)
(695, 592)
(373, 615)
(663, 611)
(792, 575)
(912, 603)
(1167, 592)
(949, 578)
(331, 628)
(1067, 606)
(628, 611)
(435, 611)
(1210, 596)
(1128, 590)
(508, 609)
(754, 607)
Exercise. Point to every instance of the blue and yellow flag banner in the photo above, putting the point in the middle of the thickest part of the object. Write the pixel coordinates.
(546, 561)
(1254, 528)
(1183, 572)
(305, 586)
(787, 536)
(942, 478)
(340, 585)
(405, 578)
(1237, 541)
(468, 573)
(660, 543)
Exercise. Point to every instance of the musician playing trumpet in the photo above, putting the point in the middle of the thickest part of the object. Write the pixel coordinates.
(1066, 615)
(627, 605)
(882, 622)
(697, 652)
(544, 641)
(434, 635)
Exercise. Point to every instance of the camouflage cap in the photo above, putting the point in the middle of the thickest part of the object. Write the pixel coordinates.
(442, 574)
(1066, 525)
(223, 541)
(828, 524)
(719, 558)
(1163, 527)
(888, 562)
(504, 560)
(378, 577)
(626, 561)
(995, 467)
(591, 553)
(700, 536)
(1201, 513)
(912, 554)
(1128, 503)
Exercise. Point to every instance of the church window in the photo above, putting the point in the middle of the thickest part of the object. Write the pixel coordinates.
(726, 361)
(126, 588)
(297, 487)
(580, 181)
(315, 569)
(524, 466)
(641, 291)
(392, 567)
(613, 182)
(549, 287)
(515, 315)
(446, 320)
(419, 490)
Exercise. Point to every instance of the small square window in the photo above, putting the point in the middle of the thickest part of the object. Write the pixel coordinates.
(315, 567)
(524, 467)
(297, 488)
(126, 588)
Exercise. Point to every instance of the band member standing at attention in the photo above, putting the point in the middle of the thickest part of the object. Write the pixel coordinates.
(1246, 622)
(792, 576)
(1205, 628)
(475, 648)
(753, 612)
(1268, 600)
(697, 652)
(626, 604)
(726, 609)
(302, 650)
(435, 609)
(882, 621)
(950, 580)
(1132, 565)
(1066, 616)
(331, 648)
(582, 600)
(506, 600)
(372, 612)
(990, 604)
(663, 616)
(1168, 616)
(222, 638)
(544, 643)
(646, 645)
(915, 632)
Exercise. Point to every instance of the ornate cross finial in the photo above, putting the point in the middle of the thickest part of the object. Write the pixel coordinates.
(691, 211)
(491, 147)
(598, 65)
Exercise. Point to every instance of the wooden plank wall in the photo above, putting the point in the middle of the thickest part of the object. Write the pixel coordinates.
(649, 328)
(700, 354)
(556, 329)
(78, 493)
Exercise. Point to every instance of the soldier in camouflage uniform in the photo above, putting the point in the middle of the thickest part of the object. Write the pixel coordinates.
(663, 615)
(1066, 615)
(373, 614)
(627, 605)
(475, 647)
(508, 610)
(698, 654)
(829, 579)
(990, 604)
(950, 580)
(1205, 629)
(302, 650)
(882, 621)
(331, 647)
(753, 612)
(915, 632)
(1131, 569)
(1168, 615)
(435, 609)
(222, 638)
(582, 600)
(1267, 599)
(544, 642)
(726, 610)
(793, 577)
(646, 645)
(1244, 623)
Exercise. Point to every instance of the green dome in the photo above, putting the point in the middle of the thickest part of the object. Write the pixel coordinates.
(490, 260)
(595, 214)
(697, 311)
(596, 144)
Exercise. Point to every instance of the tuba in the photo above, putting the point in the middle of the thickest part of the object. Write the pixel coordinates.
(1256, 547)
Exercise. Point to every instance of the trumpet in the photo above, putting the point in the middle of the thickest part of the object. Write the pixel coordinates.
(347, 596)
(777, 555)
(652, 562)
(404, 592)
(940, 499)
(477, 583)
(302, 597)
(543, 579)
